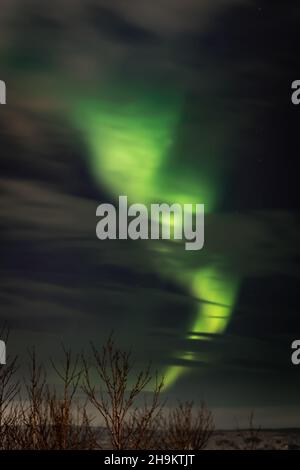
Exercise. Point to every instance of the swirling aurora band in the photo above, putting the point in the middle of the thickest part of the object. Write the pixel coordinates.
(130, 133)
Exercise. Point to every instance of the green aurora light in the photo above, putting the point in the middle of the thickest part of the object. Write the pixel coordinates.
(130, 133)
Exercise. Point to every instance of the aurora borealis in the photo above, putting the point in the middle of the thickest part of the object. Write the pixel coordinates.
(129, 134)
(185, 102)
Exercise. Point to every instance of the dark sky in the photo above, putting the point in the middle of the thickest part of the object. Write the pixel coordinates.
(235, 61)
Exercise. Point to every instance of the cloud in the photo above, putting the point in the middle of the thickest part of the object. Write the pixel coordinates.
(166, 17)
(160, 16)
(38, 211)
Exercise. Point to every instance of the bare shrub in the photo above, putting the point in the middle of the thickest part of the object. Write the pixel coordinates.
(142, 425)
(128, 426)
(186, 428)
(252, 436)
(9, 389)
(52, 420)
(70, 424)
(34, 415)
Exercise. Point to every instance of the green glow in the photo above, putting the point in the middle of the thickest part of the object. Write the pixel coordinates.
(130, 133)
(217, 293)
(129, 139)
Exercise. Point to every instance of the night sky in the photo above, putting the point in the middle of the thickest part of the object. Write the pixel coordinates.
(167, 101)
